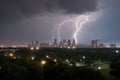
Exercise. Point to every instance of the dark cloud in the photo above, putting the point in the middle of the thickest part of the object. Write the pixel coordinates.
(18, 18)
(17, 8)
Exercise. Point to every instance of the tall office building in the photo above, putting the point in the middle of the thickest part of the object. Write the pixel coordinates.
(44, 44)
(37, 44)
(95, 44)
(55, 44)
(65, 43)
(69, 42)
(73, 43)
(112, 45)
(61, 44)
(32, 43)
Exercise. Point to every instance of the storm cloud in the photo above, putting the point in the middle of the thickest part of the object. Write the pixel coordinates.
(19, 8)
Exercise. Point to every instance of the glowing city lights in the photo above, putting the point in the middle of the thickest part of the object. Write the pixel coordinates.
(83, 57)
(32, 48)
(47, 56)
(55, 60)
(37, 48)
(99, 68)
(11, 54)
(33, 57)
(43, 62)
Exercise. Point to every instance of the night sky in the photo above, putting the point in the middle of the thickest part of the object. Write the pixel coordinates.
(22, 21)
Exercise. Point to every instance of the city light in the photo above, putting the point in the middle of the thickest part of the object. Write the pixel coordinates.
(11, 54)
(68, 47)
(43, 62)
(117, 51)
(99, 68)
(32, 48)
(37, 48)
(61, 47)
(72, 44)
(55, 60)
(47, 56)
(2, 46)
(83, 57)
(67, 60)
(14, 57)
(32, 58)
(5, 54)
(73, 47)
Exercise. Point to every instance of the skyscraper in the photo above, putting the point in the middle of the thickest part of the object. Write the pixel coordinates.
(69, 43)
(73, 43)
(95, 43)
(32, 43)
(55, 43)
(37, 43)
(112, 45)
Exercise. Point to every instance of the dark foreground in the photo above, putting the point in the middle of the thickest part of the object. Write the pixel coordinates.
(59, 64)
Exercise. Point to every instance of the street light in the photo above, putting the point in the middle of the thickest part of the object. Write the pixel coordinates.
(73, 47)
(32, 48)
(55, 60)
(99, 68)
(68, 47)
(32, 58)
(11, 54)
(83, 57)
(14, 57)
(47, 56)
(117, 51)
(37, 48)
(43, 62)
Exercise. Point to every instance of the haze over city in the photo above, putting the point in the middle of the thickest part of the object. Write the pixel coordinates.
(26, 20)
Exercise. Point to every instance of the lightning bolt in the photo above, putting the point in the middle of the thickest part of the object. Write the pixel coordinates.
(78, 26)
(59, 27)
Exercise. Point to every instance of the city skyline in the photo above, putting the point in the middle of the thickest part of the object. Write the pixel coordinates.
(65, 43)
(23, 21)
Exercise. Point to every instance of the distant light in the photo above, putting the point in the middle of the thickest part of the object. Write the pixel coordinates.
(14, 57)
(84, 57)
(2, 46)
(26, 46)
(67, 60)
(55, 60)
(5, 54)
(37, 48)
(61, 47)
(32, 58)
(71, 64)
(11, 55)
(99, 68)
(73, 47)
(32, 48)
(14, 46)
(47, 56)
(117, 51)
(68, 47)
(43, 62)
(0, 67)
